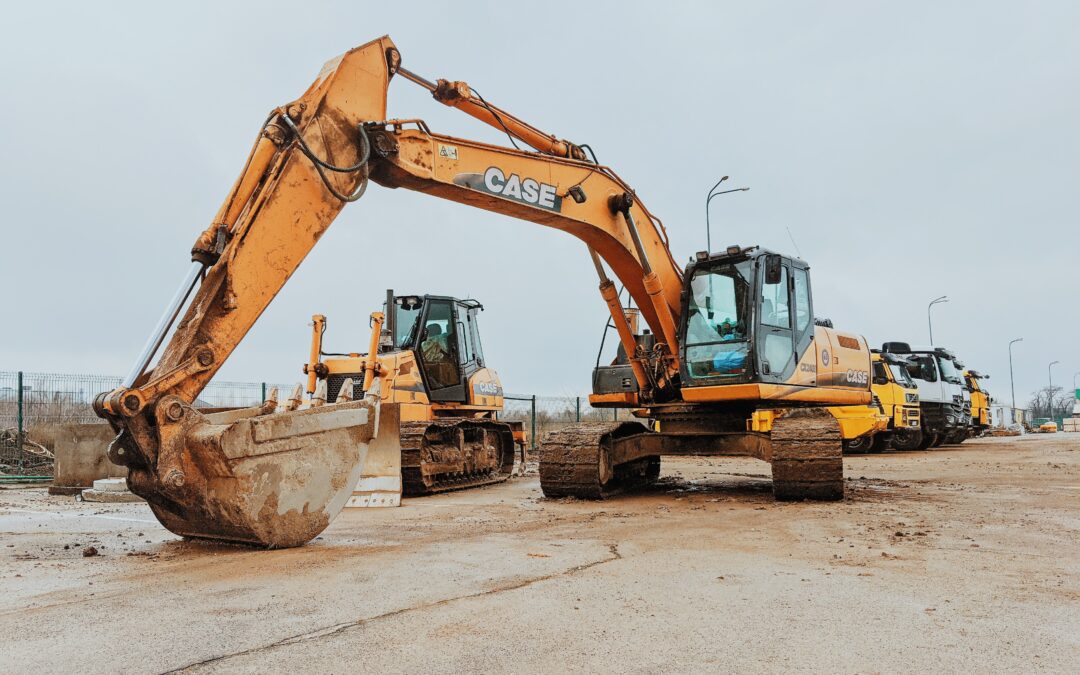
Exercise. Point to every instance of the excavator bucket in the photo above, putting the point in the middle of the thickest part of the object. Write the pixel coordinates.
(272, 480)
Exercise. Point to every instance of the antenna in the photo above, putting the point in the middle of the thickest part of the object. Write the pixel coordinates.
(792, 238)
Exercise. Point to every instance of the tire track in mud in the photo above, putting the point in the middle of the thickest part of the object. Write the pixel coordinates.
(337, 629)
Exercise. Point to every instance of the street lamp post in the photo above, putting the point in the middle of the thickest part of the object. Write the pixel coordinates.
(708, 226)
(930, 323)
(1050, 392)
(1012, 386)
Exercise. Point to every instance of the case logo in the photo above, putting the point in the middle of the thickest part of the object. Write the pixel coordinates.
(513, 187)
(488, 389)
(857, 376)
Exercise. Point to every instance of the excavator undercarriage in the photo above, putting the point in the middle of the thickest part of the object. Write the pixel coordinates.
(595, 461)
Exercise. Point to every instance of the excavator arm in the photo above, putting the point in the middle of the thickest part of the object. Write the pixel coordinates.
(312, 157)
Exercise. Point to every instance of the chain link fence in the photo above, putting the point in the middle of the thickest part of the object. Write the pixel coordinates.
(33, 406)
(541, 414)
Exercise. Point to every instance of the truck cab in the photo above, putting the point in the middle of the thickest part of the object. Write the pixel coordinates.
(981, 417)
(899, 398)
(942, 405)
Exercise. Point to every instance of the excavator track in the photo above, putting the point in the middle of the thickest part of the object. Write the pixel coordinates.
(454, 454)
(807, 456)
(575, 462)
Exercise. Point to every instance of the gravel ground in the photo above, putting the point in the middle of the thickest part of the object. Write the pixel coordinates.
(964, 559)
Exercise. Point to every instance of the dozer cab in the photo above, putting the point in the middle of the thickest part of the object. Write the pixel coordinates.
(277, 478)
(440, 402)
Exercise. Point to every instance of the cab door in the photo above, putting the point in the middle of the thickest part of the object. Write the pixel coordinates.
(775, 334)
(438, 351)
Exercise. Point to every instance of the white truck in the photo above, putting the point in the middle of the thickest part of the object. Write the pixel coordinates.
(943, 406)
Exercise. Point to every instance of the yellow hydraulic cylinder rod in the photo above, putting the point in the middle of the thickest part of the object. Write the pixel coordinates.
(655, 289)
(377, 319)
(618, 316)
(262, 155)
(653, 286)
(460, 95)
(318, 327)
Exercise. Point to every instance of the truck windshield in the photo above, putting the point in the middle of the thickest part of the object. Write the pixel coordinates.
(717, 342)
(901, 376)
(949, 373)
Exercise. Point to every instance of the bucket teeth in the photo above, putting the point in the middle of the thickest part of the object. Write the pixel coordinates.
(296, 399)
(319, 397)
(271, 402)
(346, 393)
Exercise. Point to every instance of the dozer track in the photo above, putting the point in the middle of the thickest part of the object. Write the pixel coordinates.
(807, 456)
(576, 461)
(454, 454)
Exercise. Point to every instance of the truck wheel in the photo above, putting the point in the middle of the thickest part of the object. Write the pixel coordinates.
(858, 445)
(906, 441)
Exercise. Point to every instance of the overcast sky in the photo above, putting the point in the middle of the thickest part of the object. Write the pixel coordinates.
(913, 149)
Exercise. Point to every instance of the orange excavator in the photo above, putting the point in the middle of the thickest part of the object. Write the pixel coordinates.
(732, 333)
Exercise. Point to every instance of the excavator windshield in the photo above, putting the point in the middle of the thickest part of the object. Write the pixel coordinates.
(717, 340)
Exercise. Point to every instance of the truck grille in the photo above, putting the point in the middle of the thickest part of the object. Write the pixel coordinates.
(335, 380)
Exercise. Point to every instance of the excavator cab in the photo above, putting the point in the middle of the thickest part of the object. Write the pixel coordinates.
(747, 317)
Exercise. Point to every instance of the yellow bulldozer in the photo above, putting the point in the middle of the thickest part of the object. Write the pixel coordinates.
(731, 333)
(440, 400)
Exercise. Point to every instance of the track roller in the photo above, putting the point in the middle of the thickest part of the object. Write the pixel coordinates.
(454, 454)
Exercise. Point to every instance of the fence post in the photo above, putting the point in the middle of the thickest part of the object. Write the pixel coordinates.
(532, 434)
(577, 409)
(19, 416)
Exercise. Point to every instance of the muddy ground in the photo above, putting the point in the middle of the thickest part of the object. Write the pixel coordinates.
(962, 559)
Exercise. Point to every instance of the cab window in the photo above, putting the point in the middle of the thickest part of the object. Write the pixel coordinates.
(802, 300)
(468, 352)
(880, 372)
(716, 330)
(774, 302)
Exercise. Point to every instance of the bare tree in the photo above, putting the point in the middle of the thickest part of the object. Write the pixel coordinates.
(1056, 402)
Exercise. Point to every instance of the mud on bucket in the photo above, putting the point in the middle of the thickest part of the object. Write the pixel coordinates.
(275, 480)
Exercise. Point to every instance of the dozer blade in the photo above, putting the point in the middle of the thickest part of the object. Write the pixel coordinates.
(273, 480)
(380, 480)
